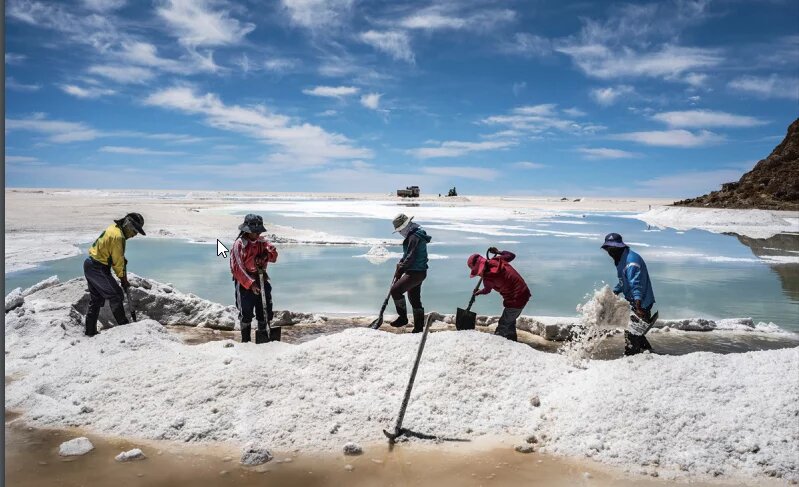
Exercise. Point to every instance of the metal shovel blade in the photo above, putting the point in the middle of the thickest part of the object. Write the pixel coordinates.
(376, 323)
(465, 319)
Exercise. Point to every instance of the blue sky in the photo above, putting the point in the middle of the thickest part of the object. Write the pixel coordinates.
(669, 98)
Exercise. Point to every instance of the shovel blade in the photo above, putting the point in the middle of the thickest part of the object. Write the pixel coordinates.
(465, 320)
(376, 323)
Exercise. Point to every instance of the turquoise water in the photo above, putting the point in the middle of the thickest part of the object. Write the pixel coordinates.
(695, 273)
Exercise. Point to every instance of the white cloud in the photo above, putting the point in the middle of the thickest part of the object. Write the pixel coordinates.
(95, 30)
(574, 112)
(318, 14)
(281, 65)
(58, 131)
(123, 74)
(605, 153)
(608, 96)
(394, 43)
(448, 16)
(528, 165)
(138, 151)
(202, 23)
(371, 100)
(772, 86)
(518, 87)
(13, 84)
(462, 172)
(104, 5)
(328, 113)
(88, 92)
(528, 45)
(697, 80)
(706, 118)
(454, 148)
(332, 91)
(672, 138)
(22, 160)
(13, 58)
(539, 119)
(691, 183)
(299, 144)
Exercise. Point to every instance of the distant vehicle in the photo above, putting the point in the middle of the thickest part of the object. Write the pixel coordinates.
(409, 192)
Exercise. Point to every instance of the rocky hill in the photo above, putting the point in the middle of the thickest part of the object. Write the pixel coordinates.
(773, 184)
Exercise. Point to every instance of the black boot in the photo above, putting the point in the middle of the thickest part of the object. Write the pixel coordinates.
(119, 315)
(245, 332)
(91, 325)
(260, 333)
(418, 320)
(402, 311)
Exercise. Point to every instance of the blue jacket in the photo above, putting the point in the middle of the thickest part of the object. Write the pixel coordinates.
(634, 279)
(414, 251)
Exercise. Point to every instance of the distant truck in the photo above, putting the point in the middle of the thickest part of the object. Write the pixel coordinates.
(409, 192)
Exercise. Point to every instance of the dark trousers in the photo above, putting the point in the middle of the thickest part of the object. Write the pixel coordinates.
(410, 282)
(635, 343)
(507, 323)
(102, 287)
(249, 304)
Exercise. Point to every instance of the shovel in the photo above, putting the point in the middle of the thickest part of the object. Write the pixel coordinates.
(130, 305)
(465, 319)
(379, 321)
(271, 335)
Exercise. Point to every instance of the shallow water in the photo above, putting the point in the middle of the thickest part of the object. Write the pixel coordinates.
(694, 273)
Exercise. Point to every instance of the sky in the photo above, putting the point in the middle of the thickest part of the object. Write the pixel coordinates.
(537, 97)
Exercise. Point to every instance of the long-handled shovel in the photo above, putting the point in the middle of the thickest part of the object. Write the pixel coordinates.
(398, 429)
(465, 319)
(379, 321)
(130, 305)
(272, 335)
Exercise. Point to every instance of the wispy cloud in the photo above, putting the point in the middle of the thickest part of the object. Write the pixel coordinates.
(298, 143)
(104, 5)
(605, 153)
(454, 148)
(317, 15)
(773, 86)
(86, 92)
(202, 22)
(527, 45)
(672, 138)
(448, 16)
(332, 91)
(281, 65)
(537, 119)
(138, 151)
(706, 118)
(463, 172)
(13, 84)
(95, 30)
(14, 58)
(23, 160)
(371, 100)
(396, 44)
(608, 96)
(123, 74)
(57, 131)
(528, 165)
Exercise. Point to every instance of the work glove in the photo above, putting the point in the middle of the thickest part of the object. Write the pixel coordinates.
(493, 250)
(639, 312)
(125, 283)
(255, 289)
(398, 272)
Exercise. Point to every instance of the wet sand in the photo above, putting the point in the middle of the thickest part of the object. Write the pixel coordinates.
(32, 460)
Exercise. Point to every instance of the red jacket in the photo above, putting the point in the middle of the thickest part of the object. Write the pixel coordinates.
(500, 275)
(243, 257)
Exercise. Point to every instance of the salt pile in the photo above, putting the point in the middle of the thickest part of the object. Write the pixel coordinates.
(645, 412)
(599, 317)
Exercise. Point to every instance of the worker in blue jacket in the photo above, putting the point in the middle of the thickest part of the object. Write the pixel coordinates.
(634, 283)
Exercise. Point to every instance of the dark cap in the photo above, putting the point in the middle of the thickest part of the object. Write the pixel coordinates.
(252, 224)
(613, 240)
(135, 220)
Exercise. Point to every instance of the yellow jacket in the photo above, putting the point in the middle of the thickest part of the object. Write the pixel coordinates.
(109, 249)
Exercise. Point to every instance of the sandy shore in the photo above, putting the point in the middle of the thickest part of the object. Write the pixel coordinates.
(47, 224)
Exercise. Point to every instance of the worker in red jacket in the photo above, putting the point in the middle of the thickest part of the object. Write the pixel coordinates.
(497, 273)
(250, 253)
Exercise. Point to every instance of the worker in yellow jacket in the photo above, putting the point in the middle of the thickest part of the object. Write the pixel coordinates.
(106, 253)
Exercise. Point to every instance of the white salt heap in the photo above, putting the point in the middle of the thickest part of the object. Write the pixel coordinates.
(697, 414)
(75, 447)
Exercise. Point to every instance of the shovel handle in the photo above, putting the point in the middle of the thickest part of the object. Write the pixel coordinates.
(261, 272)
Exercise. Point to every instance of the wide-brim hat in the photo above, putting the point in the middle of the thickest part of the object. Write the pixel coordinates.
(476, 263)
(400, 222)
(135, 220)
(613, 240)
(252, 224)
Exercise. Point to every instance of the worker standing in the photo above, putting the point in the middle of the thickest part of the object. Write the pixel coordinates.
(497, 273)
(411, 272)
(249, 255)
(106, 253)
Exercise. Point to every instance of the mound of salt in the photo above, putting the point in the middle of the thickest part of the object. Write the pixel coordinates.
(75, 447)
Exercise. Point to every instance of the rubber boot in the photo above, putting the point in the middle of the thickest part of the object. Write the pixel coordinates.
(418, 320)
(245, 332)
(119, 315)
(91, 325)
(402, 311)
(260, 333)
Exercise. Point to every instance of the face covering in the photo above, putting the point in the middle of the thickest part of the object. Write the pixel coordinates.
(410, 228)
(128, 230)
(616, 252)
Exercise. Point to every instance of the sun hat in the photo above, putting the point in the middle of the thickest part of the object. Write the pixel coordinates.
(135, 220)
(401, 221)
(613, 240)
(252, 224)
(476, 263)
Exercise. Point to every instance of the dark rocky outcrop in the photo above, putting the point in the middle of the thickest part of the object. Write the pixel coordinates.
(773, 184)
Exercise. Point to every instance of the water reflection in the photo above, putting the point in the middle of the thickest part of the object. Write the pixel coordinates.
(782, 245)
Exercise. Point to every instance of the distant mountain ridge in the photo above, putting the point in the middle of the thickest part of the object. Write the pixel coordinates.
(773, 184)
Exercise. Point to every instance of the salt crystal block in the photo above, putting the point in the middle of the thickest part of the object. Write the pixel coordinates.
(75, 447)
(14, 299)
(134, 454)
(352, 449)
(255, 455)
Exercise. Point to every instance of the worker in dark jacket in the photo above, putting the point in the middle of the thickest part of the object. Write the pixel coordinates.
(411, 271)
(106, 253)
(636, 287)
(497, 273)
